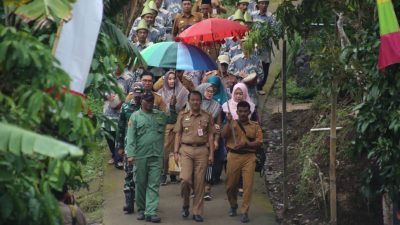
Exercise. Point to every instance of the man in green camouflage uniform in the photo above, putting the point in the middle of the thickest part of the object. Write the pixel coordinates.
(145, 148)
(131, 105)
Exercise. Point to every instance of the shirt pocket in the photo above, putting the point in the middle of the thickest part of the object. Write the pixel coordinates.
(187, 127)
(205, 126)
(160, 126)
(140, 128)
(251, 134)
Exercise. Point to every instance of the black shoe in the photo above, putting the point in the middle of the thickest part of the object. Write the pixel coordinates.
(173, 179)
(207, 196)
(232, 212)
(119, 165)
(140, 216)
(197, 218)
(153, 219)
(129, 202)
(163, 180)
(244, 218)
(185, 211)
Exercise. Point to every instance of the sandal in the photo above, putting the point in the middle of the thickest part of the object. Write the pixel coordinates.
(111, 161)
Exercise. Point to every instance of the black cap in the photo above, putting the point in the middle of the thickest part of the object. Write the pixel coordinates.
(148, 97)
(206, 2)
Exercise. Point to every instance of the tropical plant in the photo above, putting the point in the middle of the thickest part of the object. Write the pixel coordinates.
(34, 96)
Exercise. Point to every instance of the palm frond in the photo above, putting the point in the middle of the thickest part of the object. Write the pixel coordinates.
(20, 141)
(118, 37)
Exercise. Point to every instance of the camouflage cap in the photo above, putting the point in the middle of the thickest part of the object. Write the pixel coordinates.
(148, 97)
(137, 89)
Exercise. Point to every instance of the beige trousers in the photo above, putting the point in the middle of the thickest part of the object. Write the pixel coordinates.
(240, 164)
(194, 161)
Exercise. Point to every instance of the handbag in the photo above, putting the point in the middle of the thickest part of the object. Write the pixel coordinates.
(173, 168)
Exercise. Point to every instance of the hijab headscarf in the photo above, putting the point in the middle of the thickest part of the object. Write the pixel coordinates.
(233, 104)
(180, 91)
(220, 95)
(211, 106)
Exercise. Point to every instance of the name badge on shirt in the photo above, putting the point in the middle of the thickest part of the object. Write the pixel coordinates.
(200, 132)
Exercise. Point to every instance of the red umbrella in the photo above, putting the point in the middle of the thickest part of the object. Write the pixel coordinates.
(211, 30)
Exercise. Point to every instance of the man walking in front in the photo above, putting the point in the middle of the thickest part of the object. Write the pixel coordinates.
(145, 148)
(242, 144)
(194, 142)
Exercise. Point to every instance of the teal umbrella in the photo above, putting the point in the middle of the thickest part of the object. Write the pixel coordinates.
(177, 55)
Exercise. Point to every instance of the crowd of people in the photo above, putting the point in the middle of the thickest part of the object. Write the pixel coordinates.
(198, 119)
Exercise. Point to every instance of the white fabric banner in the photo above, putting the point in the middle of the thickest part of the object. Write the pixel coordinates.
(78, 40)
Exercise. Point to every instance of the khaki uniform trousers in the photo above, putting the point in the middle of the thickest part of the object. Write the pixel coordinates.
(240, 164)
(194, 161)
(169, 143)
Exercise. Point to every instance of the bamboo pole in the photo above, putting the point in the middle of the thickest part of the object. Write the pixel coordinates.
(229, 108)
(332, 154)
(284, 127)
(57, 37)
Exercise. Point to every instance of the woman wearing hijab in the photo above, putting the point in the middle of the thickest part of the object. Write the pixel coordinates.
(211, 106)
(220, 94)
(239, 93)
(171, 86)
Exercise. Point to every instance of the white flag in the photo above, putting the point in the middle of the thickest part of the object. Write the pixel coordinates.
(78, 40)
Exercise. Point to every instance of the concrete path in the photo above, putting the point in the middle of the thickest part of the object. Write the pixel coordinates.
(261, 212)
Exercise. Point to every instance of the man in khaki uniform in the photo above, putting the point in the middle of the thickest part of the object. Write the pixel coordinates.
(194, 142)
(147, 78)
(241, 159)
(185, 19)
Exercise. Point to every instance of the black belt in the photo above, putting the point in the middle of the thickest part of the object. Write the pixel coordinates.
(241, 151)
(194, 144)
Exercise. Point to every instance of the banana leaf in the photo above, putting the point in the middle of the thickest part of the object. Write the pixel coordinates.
(21, 141)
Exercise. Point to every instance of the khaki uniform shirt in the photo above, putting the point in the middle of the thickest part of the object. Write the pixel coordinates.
(195, 129)
(182, 22)
(253, 133)
(159, 103)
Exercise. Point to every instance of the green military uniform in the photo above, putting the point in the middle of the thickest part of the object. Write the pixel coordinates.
(129, 186)
(145, 143)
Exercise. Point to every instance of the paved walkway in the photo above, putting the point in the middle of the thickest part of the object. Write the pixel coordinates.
(261, 212)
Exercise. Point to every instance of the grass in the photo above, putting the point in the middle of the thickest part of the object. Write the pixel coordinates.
(91, 199)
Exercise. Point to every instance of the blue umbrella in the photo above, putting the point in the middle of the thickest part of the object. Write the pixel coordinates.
(177, 55)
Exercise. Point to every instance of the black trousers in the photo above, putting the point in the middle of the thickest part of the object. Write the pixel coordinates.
(264, 80)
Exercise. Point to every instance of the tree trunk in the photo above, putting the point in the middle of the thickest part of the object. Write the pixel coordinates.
(387, 210)
(130, 12)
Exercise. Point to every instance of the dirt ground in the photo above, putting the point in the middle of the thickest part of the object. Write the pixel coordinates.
(353, 209)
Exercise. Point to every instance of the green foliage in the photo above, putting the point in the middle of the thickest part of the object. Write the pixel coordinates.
(20, 141)
(378, 131)
(36, 9)
(354, 66)
(26, 184)
(295, 93)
